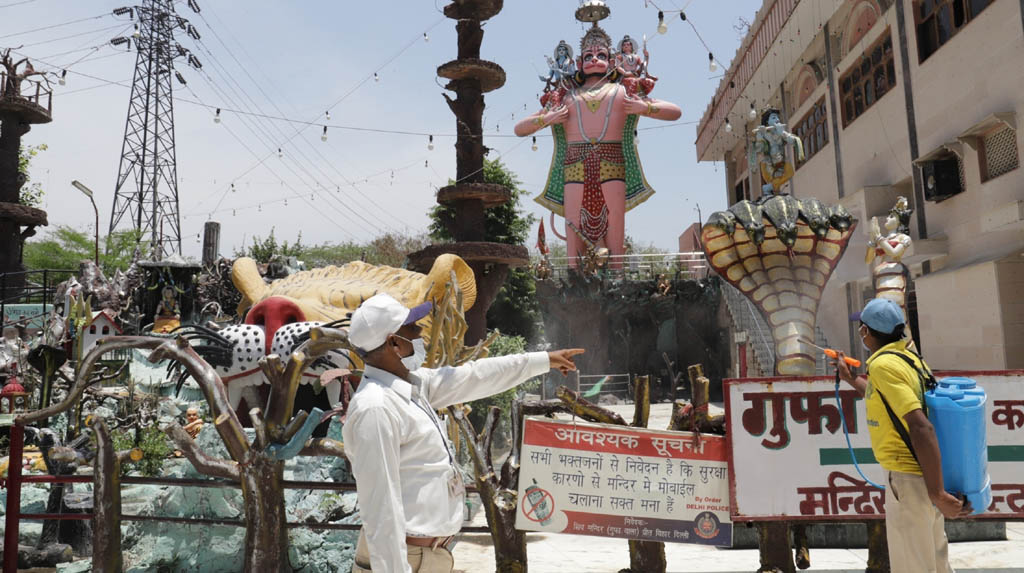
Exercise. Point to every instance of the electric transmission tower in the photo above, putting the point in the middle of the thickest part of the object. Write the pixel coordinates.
(146, 196)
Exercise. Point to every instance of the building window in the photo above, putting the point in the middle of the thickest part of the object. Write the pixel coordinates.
(998, 153)
(813, 130)
(939, 20)
(943, 177)
(866, 82)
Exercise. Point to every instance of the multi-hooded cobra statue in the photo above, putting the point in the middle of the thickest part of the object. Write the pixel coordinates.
(780, 252)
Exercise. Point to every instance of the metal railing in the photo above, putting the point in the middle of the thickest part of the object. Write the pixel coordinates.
(746, 317)
(15, 480)
(42, 94)
(19, 288)
(639, 266)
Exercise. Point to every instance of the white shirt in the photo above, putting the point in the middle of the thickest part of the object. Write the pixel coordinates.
(399, 454)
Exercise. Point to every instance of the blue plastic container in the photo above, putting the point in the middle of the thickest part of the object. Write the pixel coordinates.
(957, 410)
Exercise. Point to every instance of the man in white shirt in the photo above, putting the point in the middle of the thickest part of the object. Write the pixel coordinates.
(411, 494)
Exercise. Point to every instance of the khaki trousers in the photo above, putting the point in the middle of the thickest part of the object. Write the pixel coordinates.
(421, 559)
(915, 529)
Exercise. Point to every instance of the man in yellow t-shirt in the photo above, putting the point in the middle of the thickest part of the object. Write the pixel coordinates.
(916, 503)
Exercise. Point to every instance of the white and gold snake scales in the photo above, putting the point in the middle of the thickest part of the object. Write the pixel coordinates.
(784, 282)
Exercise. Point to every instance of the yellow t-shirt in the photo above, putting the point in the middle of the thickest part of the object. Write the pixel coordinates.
(901, 386)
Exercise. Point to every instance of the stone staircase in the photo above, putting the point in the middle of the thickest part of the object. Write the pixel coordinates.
(747, 318)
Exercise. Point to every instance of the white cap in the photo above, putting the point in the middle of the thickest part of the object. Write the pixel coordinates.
(379, 316)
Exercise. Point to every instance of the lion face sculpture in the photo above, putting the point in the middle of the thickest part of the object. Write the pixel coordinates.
(280, 315)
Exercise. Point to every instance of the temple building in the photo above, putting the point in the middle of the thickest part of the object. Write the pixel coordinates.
(916, 98)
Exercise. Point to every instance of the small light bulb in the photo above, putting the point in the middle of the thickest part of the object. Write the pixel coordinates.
(662, 27)
(712, 66)
(279, 152)
(728, 126)
(426, 163)
(136, 34)
(534, 146)
(63, 75)
(286, 202)
(376, 78)
(328, 114)
(430, 143)
(426, 38)
(232, 187)
(233, 213)
(753, 112)
(323, 136)
(216, 116)
(259, 208)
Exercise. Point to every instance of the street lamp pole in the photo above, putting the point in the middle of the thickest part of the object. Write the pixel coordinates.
(88, 193)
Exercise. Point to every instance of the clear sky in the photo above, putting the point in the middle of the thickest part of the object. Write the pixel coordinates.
(301, 59)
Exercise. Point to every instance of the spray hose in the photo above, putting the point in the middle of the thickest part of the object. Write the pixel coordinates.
(846, 433)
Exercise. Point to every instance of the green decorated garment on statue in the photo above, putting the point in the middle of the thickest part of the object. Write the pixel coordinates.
(638, 189)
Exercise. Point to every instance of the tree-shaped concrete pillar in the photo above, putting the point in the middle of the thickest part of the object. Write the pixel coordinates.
(470, 77)
(25, 99)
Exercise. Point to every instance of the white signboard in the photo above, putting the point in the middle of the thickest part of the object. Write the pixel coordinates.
(616, 481)
(789, 455)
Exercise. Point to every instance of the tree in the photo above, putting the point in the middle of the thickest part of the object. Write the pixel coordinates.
(388, 249)
(65, 247)
(31, 193)
(263, 250)
(515, 310)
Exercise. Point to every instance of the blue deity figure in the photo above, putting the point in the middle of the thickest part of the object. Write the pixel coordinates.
(561, 67)
(768, 152)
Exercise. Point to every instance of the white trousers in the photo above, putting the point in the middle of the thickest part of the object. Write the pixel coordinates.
(915, 528)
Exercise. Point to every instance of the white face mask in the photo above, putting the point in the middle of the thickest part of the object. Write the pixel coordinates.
(864, 344)
(419, 354)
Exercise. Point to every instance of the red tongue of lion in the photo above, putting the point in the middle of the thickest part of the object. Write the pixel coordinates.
(272, 314)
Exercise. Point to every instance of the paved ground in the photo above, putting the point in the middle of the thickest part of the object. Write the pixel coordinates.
(557, 553)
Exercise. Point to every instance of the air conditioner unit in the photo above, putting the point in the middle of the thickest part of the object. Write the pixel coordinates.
(941, 179)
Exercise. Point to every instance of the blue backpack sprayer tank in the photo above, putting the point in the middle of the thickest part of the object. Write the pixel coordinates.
(956, 408)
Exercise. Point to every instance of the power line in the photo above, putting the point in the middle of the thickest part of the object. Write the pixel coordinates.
(368, 76)
(316, 150)
(50, 41)
(267, 135)
(267, 80)
(242, 94)
(54, 26)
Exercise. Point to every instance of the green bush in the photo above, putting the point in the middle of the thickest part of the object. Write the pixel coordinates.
(155, 448)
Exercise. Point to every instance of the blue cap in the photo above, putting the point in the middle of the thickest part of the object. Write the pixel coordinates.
(882, 315)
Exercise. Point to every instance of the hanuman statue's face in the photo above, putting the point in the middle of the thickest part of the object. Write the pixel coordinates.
(595, 60)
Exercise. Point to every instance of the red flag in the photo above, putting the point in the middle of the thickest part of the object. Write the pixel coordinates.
(542, 243)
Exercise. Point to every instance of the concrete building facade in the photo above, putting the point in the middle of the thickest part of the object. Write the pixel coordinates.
(920, 98)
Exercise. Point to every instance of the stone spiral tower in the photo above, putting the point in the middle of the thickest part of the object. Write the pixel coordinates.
(470, 77)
